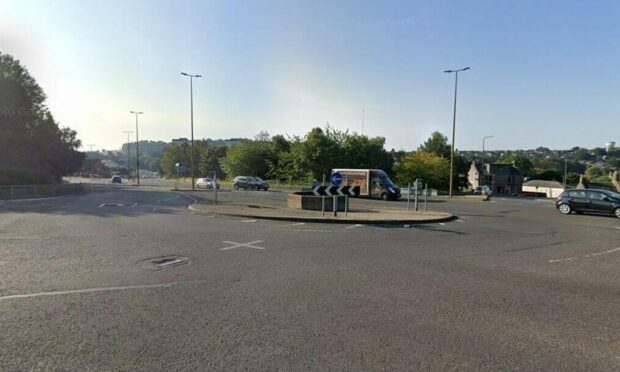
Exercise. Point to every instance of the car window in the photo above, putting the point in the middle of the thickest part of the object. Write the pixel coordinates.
(595, 195)
(578, 194)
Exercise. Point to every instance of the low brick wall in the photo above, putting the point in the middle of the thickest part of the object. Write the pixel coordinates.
(309, 201)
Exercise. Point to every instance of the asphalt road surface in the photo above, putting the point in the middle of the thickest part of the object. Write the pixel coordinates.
(511, 285)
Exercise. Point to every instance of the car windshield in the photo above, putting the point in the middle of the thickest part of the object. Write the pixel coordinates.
(259, 179)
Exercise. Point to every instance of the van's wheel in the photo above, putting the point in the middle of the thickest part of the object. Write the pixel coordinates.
(564, 209)
(617, 212)
(385, 197)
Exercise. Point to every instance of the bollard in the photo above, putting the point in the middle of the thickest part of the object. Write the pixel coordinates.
(215, 187)
(425, 197)
(335, 206)
(416, 195)
(409, 196)
(346, 205)
(323, 199)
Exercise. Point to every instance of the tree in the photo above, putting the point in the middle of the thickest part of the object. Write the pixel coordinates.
(33, 148)
(431, 168)
(248, 158)
(210, 161)
(523, 164)
(437, 144)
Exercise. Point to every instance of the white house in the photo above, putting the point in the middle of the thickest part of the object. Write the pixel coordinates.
(552, 189)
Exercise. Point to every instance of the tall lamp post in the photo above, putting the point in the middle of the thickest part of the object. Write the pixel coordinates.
(191, 97)
(128, 132)
(483, 140)
(456, 81)
(137, 149)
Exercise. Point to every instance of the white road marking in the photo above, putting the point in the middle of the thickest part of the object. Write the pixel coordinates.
(585, 256)
(234, 245)
(24, 237)
(102, 289)
(442, 224)
(133, 205)
(298, 224)
(461, 221)
(353, 227)
(246, 221)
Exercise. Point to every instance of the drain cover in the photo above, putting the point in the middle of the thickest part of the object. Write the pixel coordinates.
(159, 263)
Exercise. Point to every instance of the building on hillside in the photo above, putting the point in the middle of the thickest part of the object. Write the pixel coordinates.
(501, 178)
(551, 189)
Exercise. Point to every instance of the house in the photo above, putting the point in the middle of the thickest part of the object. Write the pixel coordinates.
(501, 178)
(551, 189)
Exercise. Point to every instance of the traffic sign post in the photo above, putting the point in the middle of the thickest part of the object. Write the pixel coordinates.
(323, 198)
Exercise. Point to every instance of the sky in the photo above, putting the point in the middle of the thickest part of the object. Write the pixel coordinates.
(543, 73)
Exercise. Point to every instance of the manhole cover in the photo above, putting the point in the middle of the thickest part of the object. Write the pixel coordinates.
(159, 263)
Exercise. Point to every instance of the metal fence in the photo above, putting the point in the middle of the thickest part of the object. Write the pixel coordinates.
(34, 191)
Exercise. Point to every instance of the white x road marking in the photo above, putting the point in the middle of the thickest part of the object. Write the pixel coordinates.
(234, 245)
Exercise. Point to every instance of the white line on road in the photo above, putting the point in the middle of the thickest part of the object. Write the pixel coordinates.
(353, 227)
(442, 224)
(298, 224)
(585, 256)
(103, 289)
(234, 245)
(25, 237)
(246, 221)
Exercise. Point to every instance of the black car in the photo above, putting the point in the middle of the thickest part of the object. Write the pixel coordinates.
(260, 184)
(116, 179)
(589, 200)
(243, 182)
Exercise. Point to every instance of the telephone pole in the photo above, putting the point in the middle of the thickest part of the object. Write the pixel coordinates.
(137, 149)
(191, 97)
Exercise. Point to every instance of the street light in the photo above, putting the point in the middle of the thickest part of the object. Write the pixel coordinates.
(483, 140)
(128, 168)
(137, 149)
(191, 95)
(456, 80)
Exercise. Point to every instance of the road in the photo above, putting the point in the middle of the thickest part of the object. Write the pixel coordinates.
(511, 285)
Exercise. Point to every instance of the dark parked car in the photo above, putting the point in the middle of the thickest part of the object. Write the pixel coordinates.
(260, 184)
(244, 182)
(589, 200)
(116, 179)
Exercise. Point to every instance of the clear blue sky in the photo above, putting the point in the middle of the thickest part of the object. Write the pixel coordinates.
(543, 73)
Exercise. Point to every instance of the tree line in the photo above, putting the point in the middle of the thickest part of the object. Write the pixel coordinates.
(34, 149)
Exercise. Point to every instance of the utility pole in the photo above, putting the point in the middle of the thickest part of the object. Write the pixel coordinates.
(128, 132)
(191, 95)
(456, 81)
(482, 162)
(137, 149)
(90, 161)
(565, 172)
(363, 119)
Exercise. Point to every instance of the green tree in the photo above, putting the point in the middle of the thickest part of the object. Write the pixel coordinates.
(33, 148)
(437, 144)
(433, 169)
(523, 164)
(210, 161)
(248, 158)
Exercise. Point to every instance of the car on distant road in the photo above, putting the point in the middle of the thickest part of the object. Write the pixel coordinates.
(590, 201)
(260, 184)
(116, 179)
(206, 183)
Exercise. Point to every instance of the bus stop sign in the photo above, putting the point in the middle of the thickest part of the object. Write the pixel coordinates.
(336, 178)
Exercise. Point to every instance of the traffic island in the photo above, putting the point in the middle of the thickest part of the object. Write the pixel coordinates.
(357, 216)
